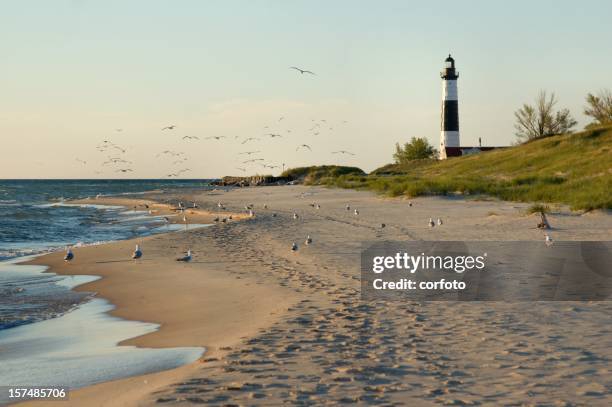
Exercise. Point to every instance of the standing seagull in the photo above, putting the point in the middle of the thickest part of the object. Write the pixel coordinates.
(294, 247)
(137, 253)
(302, 71)
(431, 223)
(69, 255)
(548, 240)
(348, 207)
(186, 258)
(356, 212)
(439, 222)
(308, 240)
(295, 215)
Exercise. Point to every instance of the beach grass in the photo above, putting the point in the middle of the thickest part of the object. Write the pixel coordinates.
(572, 169)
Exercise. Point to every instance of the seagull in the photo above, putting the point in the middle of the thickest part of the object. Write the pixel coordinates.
(303, 145)
(249, 139)
(439, 222)
(219, 205)
(241, 169)
(251, 213)
(308, 240)
(171, 127)
(348, 207)
(191, 137)
(81, 161)
(124, 170)
(302, 71)
(294, 247)
(186, 258)
(137, 253)
(431, 223)
(295, 215)
(356, 212)
(318, 206)
(409, 203)
(265, 206)
(548, 240)
(215, 137)
(195, 205)
(69, 255)
(250, 152)
(272, 135)
(382, 225)
(342, 152)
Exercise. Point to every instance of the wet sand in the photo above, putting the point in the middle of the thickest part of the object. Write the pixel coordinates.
(291, 328)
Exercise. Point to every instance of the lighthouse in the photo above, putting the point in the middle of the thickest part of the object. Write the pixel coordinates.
(449, 126)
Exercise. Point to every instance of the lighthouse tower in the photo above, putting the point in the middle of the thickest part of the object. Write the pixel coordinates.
(449, 135)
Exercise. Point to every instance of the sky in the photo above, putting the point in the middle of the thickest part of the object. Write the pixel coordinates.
(72, 72)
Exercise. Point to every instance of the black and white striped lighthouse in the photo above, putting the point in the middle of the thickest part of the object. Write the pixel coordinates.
(449, 135)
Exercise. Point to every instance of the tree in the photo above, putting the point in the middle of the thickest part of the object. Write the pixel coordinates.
(541, 120)
(599, 106)
(417, 149)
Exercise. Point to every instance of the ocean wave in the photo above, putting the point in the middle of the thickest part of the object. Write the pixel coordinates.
(74, 205)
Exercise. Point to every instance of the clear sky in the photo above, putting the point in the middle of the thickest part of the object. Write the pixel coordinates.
(74, 71)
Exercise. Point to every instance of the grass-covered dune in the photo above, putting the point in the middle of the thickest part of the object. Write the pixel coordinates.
(321, 174)
(573, 169)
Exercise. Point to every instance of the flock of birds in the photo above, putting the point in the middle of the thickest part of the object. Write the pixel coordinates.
(117, 161)
(249, 208)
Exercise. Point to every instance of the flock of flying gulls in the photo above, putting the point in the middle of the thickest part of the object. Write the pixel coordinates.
(118, 162)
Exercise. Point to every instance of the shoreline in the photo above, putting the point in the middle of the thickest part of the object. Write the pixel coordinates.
(249, 314)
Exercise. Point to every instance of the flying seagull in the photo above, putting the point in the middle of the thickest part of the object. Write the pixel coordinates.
(215, 137)
(342, 152)
(250, 152)
(302, 71)
(241, 169)
(171, 127)
(191, 137)
(272, 135)
(249, 139)
(303, 145)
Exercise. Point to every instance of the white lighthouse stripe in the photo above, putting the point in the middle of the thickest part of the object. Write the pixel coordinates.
(449, 90)
(449, 138)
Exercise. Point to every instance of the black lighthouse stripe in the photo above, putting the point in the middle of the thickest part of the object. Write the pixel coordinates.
(450, 115)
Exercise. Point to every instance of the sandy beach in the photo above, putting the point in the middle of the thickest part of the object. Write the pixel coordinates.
(283, 327)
